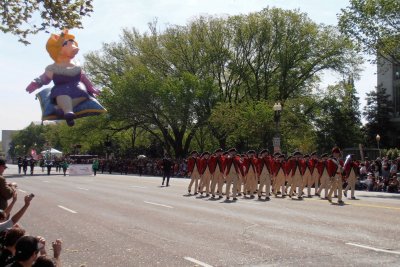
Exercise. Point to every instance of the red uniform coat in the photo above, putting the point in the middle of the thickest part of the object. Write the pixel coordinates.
(277, 166)
(333, 167)
(321, 166)
(191, 163)
(212, 164)
(265, 162)
(235, 161)
(351, 165)
(299, 165)
(221, 163)
(203, 165)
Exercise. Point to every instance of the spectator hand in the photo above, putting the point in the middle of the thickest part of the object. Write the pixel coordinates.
(28, 199)
(42, 245)
(57, 248)
(14, 197)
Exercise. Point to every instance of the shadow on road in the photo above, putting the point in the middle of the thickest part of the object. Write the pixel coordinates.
(381, 196)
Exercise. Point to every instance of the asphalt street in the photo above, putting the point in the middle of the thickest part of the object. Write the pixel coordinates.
(118, 220)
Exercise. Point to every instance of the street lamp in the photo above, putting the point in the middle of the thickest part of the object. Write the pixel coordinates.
(277, 116)
(378, 139)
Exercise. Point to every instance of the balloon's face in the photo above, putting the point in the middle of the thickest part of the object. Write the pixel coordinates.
(70, 48)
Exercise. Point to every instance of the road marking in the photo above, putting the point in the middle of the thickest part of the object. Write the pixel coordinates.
(45, 181)
(198, 262)
(81, 188)
(374, 249)
(156, 204)
(22, 191)
(67, 209)
(135, 186)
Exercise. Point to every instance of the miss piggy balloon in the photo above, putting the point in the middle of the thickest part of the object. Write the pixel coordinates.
(71, 86)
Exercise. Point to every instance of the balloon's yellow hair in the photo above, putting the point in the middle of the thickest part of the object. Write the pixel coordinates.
(55, 43)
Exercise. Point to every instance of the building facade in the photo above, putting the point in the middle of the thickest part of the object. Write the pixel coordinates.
(6, 138)
(388, 75)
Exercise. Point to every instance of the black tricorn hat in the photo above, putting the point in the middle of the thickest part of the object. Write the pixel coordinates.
(282, 156)
(232, 150)
(194, 152)
(297, 153)
(251, 152)
(264, 151)
(205, 153)
(277, 154)
(314, 154)
(218, 150)
(325, 155)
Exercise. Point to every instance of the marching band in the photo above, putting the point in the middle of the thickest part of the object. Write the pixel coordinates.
(263, 174)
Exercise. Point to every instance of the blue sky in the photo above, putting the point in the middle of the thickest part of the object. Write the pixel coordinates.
(19, 64)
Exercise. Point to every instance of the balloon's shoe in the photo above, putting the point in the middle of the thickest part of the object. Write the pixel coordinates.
(69, 118)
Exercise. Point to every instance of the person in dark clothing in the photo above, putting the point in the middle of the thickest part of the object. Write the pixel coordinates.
(166, 166)
(19, 165)
(25, 165)
(8, 251)
(32, 163)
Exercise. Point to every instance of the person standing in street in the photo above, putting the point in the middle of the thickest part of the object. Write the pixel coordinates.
(6, 189)
(95, 166)
(19, 165)
(25, 165)
(335, 170)
(32, 163)
(166, 166)
(193, 171)
(351, 170)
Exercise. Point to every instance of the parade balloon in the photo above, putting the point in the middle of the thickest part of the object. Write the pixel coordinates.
(73, 95)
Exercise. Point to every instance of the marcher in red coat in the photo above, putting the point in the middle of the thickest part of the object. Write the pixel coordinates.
(232, 170)
(217, 173)
(335, 170)
(193, 171)
(264, 172)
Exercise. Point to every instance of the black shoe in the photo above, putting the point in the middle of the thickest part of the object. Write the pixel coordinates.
(345, 193)
(317, 194)
(207, 195)
(234, 199)
(220, 197)
(259, 197)
(196, 193)
(309, 196)
(213, 196)
(189, 192)
(340, 202)
(267, 198)
(353, 198)
(167, 184)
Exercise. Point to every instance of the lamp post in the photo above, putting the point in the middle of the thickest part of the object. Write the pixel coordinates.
(378, 139)
(277, 117)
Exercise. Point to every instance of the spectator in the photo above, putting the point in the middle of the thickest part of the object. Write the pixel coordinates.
(8, 251)
(6, 213)
(393, 168)
(17, 216)
(393, 185)
(27, 249)
(6, 190)
(44, 261)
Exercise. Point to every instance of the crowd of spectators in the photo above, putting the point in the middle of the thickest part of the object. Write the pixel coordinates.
(380, 175)
(17, 249)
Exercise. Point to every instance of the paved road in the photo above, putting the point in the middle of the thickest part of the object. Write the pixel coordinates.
(114, 220)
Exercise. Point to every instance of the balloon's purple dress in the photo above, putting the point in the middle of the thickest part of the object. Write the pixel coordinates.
(67, 81)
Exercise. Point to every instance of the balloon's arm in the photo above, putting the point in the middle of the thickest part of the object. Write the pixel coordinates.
(38, 82)
(89, 86)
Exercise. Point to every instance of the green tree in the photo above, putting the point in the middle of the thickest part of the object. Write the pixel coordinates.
(20, 18)
(338, 120)
(375, 25)
(378, 113)
(32, 137)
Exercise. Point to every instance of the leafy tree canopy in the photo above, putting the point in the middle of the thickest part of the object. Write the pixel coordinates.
(20, 18)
